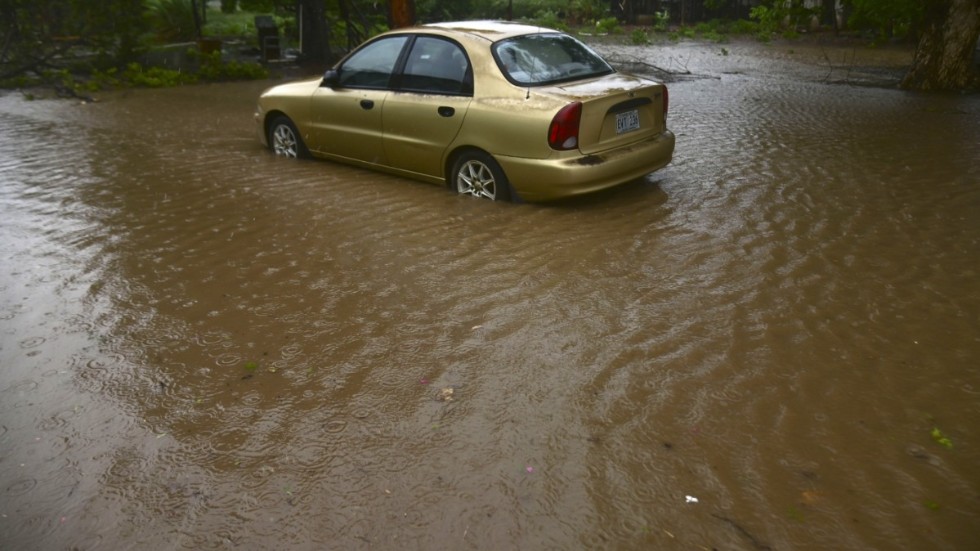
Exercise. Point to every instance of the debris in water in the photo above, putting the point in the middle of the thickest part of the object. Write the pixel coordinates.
(690, 499)
(941, 438)
(810, 497)
(445, 395)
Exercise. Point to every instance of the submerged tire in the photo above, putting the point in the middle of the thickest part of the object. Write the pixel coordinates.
(475, 173)
(284, 139)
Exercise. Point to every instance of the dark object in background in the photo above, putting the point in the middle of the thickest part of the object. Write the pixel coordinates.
(268, 33)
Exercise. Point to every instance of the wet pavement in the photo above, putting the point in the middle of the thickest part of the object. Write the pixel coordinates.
(770, 344)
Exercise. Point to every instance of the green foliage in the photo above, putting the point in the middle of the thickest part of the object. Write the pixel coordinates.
(212, 68)
(447, 10)
(714, 36)
(608, 25)
(704, 27)
(549, 19)
(743, 26)
(661, 20)
(173, 20)
(777, 14)
(768, 18)
(886, 19)
(155, 77)
(639, 37)
(277, 7)
(233, 24)
(36, 31)
(586, 11)
(560, 14)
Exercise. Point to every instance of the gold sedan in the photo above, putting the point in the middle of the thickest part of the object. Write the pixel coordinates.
(496, 110)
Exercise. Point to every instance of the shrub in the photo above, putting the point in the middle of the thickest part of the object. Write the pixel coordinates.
(155, 77)
(550, 19)
(743, 26)
(608, 25)
(212, 67)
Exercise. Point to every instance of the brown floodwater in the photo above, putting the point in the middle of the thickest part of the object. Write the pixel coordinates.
(773, 343)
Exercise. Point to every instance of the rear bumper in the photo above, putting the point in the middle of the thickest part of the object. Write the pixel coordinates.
(551, 179)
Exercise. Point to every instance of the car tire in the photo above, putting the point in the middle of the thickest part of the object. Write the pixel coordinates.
(284, 139)
(476, 174)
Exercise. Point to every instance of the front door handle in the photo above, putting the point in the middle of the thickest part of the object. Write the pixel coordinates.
(367, 104)
(446, 111)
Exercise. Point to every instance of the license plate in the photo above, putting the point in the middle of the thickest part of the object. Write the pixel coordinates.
(628, 121)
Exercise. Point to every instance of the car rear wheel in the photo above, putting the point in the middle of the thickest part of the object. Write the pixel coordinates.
(476, 173)
(284, 139)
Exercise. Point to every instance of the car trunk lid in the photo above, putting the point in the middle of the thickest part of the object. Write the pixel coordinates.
(616, 110)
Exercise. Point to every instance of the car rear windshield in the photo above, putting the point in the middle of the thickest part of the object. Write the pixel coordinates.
(547, 58)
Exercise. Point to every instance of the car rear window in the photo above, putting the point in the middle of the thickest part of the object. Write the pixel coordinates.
(547, 58)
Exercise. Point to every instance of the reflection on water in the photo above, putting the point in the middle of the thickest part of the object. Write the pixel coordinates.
(203, 346)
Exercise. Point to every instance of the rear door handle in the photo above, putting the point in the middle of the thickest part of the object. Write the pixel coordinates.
(367, 104)
(446, 111)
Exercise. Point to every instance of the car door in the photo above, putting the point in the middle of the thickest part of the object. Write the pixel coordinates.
(346, 117)
(425, 110)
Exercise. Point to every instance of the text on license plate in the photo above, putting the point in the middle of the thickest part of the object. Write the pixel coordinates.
(628, 121)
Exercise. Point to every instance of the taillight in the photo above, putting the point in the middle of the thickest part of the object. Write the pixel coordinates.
(563, 132)
(666, 101)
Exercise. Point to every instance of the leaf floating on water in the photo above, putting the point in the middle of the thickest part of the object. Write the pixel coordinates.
(931, 505)
(251, 366)
(941, 438)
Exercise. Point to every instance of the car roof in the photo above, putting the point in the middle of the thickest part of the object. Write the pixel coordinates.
(489, 30)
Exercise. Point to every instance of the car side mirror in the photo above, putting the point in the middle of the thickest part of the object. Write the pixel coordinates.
(331, 79)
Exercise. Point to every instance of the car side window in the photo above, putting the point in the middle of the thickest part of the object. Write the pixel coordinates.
(372, 65)
(437, 66)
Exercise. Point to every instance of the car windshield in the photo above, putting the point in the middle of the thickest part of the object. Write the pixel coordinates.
(547, 58)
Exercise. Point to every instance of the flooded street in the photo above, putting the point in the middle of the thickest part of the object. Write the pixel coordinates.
(773, 343)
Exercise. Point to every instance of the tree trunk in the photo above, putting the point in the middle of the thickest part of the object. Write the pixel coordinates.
(315, 31)
(944, 57)
(401, 13)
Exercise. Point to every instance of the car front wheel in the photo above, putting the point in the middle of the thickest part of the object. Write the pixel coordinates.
(284, 139)
(476, 173)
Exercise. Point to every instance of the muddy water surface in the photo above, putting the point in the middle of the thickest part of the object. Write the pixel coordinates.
(771, 344)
